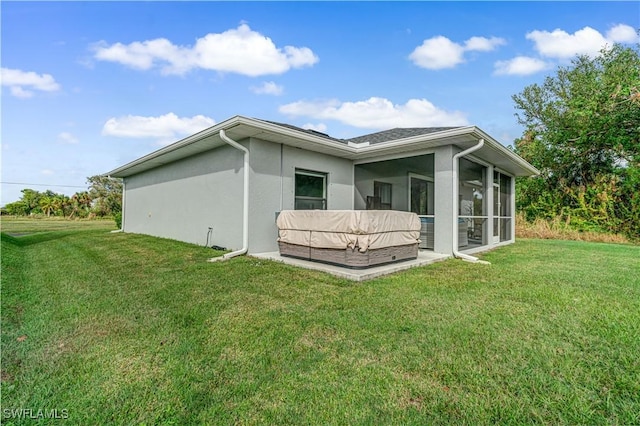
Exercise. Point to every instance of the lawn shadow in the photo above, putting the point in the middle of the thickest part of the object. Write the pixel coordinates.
(25, 240)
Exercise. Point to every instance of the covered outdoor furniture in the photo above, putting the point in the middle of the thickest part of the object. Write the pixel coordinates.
(351, 238)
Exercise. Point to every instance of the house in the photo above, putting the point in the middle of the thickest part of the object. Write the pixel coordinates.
(226, 185)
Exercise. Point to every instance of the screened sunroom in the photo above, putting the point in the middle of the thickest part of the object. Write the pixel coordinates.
(485, 204)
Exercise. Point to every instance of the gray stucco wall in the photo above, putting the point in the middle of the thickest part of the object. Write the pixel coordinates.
(272, 180)
(445, 208)
(264, 195)
(182, 200)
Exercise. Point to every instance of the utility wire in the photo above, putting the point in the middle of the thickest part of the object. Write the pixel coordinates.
(42, 184)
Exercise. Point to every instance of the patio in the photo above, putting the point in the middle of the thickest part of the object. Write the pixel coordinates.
(425, 257)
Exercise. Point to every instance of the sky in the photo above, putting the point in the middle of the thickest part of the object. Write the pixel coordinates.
(90, 86)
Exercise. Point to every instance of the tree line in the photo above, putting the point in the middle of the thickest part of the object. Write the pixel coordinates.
(103, 198)
(582, 131)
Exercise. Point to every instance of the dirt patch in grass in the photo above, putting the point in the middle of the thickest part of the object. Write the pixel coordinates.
(6, 377)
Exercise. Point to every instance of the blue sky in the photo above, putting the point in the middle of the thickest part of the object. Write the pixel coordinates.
(89, 86)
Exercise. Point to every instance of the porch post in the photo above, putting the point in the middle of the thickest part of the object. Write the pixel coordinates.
(444, 208)
(512, 201)
(490, 206)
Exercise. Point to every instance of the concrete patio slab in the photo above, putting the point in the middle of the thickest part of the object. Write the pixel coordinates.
(424, 258)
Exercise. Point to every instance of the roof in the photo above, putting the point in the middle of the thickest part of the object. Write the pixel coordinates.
(368, 148)
(397, 133)
(300, 129)
(371, 138)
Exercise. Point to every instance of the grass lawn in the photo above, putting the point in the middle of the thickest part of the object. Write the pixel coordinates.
(129, 329)
(26, 225)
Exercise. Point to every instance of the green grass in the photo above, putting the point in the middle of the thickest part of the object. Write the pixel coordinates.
(26, 225)
(129, 329)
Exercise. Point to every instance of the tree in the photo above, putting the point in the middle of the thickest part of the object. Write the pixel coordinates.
(47, 205)
(17, 208)
(80, 205)
(61, 205)
(106, 194)
(582, 130)
(31, 199)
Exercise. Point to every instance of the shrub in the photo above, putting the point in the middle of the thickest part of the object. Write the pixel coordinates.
(118, 218)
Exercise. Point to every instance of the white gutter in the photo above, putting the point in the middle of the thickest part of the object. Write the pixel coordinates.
(245, 201)
(456, 186)
(286, 136)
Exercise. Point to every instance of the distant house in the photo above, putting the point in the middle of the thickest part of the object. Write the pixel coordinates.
(459, 180)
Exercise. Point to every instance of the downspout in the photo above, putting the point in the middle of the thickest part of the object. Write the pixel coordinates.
(245, 201)
(456, 186)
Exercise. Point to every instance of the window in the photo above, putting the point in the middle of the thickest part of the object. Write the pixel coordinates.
(382, 195)
(310, 190)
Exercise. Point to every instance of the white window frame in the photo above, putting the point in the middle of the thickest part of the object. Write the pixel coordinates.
(322, 175)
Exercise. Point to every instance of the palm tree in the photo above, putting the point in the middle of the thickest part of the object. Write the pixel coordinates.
(84, 203)
(64, 205)
(47, 204)
(58, 205)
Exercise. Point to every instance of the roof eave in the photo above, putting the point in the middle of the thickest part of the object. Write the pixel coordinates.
(442, 138)
(121, 171)
(321, 144)
(529, 169)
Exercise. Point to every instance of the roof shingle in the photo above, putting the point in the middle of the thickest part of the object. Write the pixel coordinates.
(397, 133)
(372, 138)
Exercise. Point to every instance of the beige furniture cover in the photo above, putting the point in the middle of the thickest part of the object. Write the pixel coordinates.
(341, 229)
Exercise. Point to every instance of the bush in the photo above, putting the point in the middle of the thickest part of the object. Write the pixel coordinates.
(558, 228)
(118, 218)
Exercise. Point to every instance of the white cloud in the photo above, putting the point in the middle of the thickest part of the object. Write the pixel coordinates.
(377, 113)
(19, 92)
(240, 50)
(320, 127)
(439, 52)
(623, 34)
(139, 55)
(561, 45)
(520, 65)
(23, 83)
(268, 88)
(67, 138)
(483, 44)
(47, 172)
(165, 128)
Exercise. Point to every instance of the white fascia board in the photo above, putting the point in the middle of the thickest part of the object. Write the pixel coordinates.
(321, 144)
(414, 140)
(491, 142)
(311, 141)
(213, 130)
